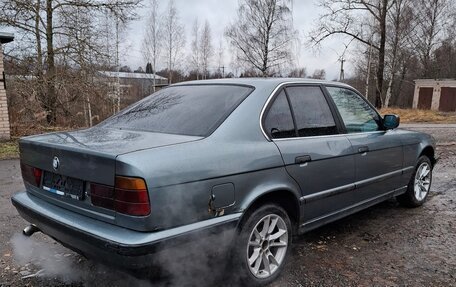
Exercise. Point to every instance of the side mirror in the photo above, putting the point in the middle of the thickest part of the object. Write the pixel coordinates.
(391, 121)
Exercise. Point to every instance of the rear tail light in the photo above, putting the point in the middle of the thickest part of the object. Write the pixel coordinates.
(128, 196)
(31, 174)
(102, 195)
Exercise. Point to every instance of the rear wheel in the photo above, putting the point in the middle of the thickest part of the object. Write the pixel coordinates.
(263, 245)
(419, 185)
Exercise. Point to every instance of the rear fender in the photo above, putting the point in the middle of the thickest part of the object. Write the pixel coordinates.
(281, 184)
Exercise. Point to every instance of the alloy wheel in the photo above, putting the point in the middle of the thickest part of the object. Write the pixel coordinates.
(422, 181)
(267, 246)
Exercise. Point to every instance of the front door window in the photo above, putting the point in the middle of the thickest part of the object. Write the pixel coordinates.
(357, 115)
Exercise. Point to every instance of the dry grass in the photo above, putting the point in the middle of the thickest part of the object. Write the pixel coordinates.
(421, 116)
(9, 149)
(21, 130)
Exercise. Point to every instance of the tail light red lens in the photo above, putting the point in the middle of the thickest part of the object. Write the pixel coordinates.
(31, 174)
(129, 196)
(134, 196)
(136, 209)
(102, 195)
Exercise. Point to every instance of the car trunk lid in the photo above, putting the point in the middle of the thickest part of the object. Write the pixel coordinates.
(90, 154)
(84, 157)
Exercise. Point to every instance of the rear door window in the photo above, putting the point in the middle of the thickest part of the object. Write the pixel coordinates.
(195, 110)
(311, 111)
(279, 122)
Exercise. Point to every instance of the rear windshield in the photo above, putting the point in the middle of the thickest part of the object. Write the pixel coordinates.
(186, 110)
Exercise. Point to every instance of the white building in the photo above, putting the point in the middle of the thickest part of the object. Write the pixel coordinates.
(4, 118)
(438, 95)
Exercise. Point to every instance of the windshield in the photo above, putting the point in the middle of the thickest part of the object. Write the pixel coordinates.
(195, 110)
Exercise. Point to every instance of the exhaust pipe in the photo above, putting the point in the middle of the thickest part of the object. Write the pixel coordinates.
(29, 230)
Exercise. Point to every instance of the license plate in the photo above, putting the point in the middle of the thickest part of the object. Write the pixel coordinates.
(63, 185)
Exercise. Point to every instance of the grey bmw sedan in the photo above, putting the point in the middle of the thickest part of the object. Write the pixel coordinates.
(261, 159)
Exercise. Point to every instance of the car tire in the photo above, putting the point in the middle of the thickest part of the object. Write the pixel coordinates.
(262, 245)
(419, 185)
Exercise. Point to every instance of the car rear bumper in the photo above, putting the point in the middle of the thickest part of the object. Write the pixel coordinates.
(111, 244)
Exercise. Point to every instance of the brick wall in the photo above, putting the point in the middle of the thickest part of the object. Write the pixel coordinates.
(4, 120)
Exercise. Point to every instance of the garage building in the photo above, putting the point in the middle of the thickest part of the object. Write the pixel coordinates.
(438, 95)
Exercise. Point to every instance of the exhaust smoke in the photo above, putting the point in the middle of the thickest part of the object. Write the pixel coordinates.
(204, 263)
(53, 262)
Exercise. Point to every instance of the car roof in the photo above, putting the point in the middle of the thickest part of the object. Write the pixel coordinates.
(260, 82)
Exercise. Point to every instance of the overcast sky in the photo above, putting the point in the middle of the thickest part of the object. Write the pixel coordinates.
(220, 13)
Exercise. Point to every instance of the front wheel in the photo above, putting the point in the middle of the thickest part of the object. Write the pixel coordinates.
(262, 245)
(419, 185)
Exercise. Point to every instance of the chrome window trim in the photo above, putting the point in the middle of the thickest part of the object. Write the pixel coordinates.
(326, 136)
(263, 110)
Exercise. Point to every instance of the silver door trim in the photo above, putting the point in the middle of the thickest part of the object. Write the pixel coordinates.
(352, 186)
(352, 207)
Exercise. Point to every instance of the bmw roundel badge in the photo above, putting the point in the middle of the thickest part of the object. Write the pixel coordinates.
(55, 163)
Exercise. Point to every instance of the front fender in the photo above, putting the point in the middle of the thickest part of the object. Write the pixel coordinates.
(415, 144)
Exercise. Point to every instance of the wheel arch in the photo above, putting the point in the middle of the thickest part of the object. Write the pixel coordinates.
(284, 196)
(429, 151)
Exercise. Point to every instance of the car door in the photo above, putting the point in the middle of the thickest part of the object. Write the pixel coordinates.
(301, 123)
(379, 154)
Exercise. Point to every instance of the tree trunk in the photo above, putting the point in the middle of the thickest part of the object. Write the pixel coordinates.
(388, 92)
(89, 109)
(39, 56)
(51, 104)
(399, 89)
(369, 59)
(86, 117)
(170, 80)
(154, 69)
(381, 56)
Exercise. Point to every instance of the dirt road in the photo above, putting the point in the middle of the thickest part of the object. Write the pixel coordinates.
(386, 245)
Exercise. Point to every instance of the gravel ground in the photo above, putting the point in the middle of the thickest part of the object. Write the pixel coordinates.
(386, 245)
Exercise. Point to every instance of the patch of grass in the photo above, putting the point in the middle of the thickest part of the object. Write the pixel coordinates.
(20, 130)
(9, 149)
(421, 116)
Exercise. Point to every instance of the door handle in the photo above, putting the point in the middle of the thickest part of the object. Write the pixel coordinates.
(302, 159)
(363, 149)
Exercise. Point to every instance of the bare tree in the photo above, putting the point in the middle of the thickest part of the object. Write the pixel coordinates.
(343, 17)
(206, 48)
(298, 73)
(262, 34)
(174, 38)
(195, 47)
(401, 17)
(152, 42)
(431, 20)
(319, 74)
(220, 60)
(43, 19)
